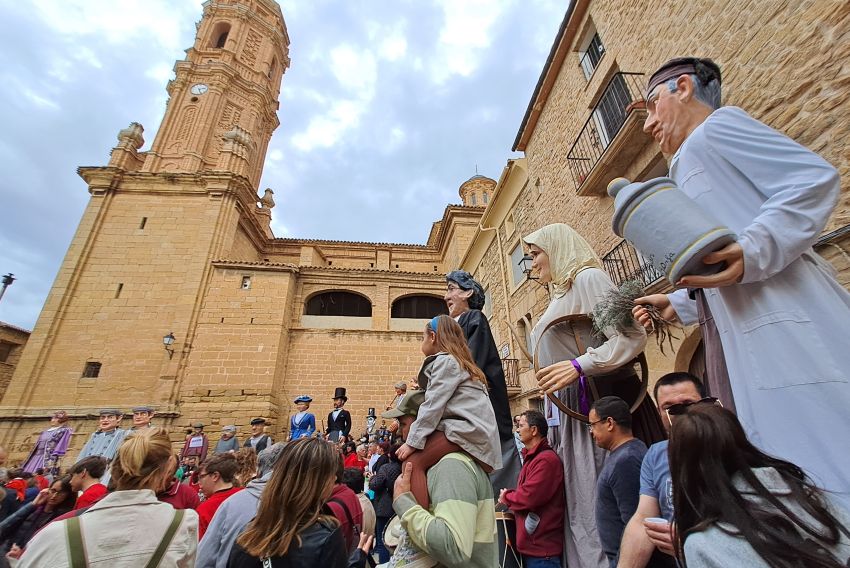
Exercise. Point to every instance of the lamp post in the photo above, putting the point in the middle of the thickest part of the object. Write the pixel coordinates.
(167, 342)
(7, 281)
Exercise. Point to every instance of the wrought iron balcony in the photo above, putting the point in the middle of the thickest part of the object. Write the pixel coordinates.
(623, 263)
(511, 369)
(612, 135)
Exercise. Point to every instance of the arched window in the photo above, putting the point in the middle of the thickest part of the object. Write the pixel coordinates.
(418, 307)
(219, 35)
(338, 303)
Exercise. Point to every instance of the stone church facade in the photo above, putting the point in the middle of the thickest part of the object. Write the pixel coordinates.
(176, 240)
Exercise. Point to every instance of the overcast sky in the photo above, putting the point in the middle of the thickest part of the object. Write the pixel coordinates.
(386, 109)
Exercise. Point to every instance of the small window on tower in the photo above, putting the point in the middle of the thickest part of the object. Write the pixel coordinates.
(118, 290)
(246, 282)
(91, 370)
(218, 38)
(143, 223)
(273, 68)
(474, 200)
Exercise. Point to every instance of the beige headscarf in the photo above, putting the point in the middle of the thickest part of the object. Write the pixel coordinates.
(568, 254)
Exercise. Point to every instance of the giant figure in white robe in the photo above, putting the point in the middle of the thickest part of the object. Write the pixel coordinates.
(784, 321)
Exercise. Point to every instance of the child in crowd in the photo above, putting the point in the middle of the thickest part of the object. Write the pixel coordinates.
(456, 414)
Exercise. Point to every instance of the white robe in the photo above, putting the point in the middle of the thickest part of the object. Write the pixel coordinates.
(785, 329)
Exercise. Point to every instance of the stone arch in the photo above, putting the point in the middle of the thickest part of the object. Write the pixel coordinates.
(338, 303)
(690, 355)
(418, 306)
(218, 37)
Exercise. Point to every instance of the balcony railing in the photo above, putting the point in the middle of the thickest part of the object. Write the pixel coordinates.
(624, 263)
(623, 94)
(511, 368)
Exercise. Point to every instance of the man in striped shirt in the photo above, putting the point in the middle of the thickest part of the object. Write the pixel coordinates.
(459, 528)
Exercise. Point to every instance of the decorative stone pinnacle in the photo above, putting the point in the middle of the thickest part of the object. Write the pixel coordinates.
(132, 135)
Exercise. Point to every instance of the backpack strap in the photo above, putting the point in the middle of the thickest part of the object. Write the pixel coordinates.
(345, 510)
(76, 546)
(166, 539)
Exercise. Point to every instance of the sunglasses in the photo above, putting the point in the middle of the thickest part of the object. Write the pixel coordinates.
(682, 407)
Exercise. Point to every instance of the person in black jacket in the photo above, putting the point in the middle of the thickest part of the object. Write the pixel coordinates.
(465, 298)
(292, 527)
(339, 419)
(18, 528)
(382, 483)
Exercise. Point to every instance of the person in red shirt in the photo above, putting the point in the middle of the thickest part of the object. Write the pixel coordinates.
(85, 477)
(215, 479)
(40, 481)
(538, 501)
(17, 483)
(345, 506)
(357, 458)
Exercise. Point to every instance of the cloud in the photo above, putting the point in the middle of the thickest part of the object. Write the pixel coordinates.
(464, 37)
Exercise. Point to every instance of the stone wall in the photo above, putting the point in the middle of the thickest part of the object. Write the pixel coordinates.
(12, 341)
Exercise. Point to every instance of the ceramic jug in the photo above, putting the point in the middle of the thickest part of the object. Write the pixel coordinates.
(667, 227)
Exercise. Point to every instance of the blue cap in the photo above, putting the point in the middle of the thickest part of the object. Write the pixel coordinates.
(304, 398)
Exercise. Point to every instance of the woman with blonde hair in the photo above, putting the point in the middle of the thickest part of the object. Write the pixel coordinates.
(293, 527)
(160, 536)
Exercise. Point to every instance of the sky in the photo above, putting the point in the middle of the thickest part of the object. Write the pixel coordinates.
(387, 107)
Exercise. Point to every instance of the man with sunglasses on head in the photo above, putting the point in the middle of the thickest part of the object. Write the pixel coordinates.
(774, 318)
(646, 540)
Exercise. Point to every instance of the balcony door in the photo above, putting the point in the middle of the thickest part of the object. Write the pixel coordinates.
(610, 113)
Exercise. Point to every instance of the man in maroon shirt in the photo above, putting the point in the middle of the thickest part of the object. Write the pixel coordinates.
(538, 500)
(215, 479)
(85, 477)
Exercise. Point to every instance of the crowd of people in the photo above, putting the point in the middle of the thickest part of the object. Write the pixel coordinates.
(735, 470)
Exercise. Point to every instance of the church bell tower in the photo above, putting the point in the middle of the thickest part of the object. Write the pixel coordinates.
(226, 89)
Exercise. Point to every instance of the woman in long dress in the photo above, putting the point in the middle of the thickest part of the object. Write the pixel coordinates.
(565, 261)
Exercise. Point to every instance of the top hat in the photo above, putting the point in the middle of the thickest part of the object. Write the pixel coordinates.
(339, 392)
(371, 413)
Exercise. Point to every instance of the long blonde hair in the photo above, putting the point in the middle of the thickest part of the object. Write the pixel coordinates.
(141, 460)
(293, 499)
(450, 338)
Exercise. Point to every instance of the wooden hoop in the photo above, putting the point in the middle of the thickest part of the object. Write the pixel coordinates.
(572, 319)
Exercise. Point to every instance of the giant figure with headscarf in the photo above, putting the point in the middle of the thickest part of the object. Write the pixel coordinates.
(465, 299)
(579, 365)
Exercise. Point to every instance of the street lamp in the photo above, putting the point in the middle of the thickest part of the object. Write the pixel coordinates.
(7, 281)
(525, 265)
(167, 342)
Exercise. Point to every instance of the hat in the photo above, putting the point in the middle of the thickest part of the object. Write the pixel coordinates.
(392, 532)
(706, 71)
(339, 392)
(229, 428)
(108, 411)
(258, 421)
(143, 409)
(400, 385)
(409, 405)
(371, 412)
(466, 282)
(304, 398)
(198, 425)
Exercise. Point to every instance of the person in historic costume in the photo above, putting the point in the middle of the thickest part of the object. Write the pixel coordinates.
(302, 424)
(774, 320)
(339, 419)
(197, 444)
(51, 446)
(259, 440)
(465, 299)
(106, 440)
(142, 416)
(566, 262)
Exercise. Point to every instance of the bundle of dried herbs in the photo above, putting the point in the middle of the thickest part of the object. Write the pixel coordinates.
(615, 310)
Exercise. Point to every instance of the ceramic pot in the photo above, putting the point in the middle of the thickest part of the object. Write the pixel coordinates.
(667, 227)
